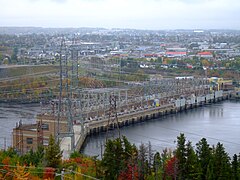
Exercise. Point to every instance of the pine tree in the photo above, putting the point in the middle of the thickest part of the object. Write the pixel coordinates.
(221, 162)
(235, 167)
(239, 165)
(192, 167)
(118, 154)
(181, 155)
(53, 153)
(128, 148)
(142, 157)
(109, 161)
(150, 157)
(210, 171)
(204, 155)
(33, 158)
(38, 156)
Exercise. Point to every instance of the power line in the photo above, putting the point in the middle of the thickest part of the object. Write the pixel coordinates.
(91, 177)
(37, 172)
(187, 132)
(156, 139)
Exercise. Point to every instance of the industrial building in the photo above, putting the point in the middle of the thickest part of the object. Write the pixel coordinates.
(29, 136)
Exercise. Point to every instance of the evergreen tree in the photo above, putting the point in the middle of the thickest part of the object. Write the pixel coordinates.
(53, 153)
(235, 168)
(142, 157)
(150, 157)
(112, 159)
(221, 162)
(118, 155)
(210, 172)
(129, 149)
(204, 155)
(130, 155)
(109, 160)
(192, 167)
(75, 154)
(181, 155)
(239, 165)
(36, 158)
(165, 155)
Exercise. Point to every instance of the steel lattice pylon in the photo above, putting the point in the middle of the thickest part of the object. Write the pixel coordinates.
(112, 116)
(68, 83)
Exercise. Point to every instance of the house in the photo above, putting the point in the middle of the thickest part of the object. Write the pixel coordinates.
(176, 53)
(205, 54)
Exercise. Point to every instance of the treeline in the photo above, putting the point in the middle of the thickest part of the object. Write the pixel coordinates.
(124, 161)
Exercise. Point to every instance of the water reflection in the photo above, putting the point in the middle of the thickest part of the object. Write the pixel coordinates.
(216, 112)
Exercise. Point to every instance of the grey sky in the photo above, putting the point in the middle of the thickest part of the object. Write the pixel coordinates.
(141, 14)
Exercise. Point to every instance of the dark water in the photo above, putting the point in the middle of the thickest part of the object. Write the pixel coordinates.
(11, 114)
(217, 123)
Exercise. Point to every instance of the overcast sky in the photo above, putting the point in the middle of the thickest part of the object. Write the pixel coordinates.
(140, 14)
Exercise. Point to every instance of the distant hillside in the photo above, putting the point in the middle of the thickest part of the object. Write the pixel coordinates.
(40, 30)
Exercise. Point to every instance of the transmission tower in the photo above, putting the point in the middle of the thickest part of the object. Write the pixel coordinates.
(112, 116)
(75, 90)
(75, 65)
(65, 94)
(69, 102)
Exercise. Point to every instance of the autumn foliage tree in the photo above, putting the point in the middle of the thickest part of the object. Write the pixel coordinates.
(123, 161)
(90, 82)
(130, 173)
(21, 173)
(53, 153)
(171, 168)
(49, 173)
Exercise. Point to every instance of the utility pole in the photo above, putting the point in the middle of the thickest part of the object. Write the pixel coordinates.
(4, 143)
(40, 129)
(101, 150)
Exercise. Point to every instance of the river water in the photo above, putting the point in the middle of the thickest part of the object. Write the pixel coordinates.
(10, 114)
(218, 122)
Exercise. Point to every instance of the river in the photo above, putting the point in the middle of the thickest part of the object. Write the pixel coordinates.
(218, 122)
